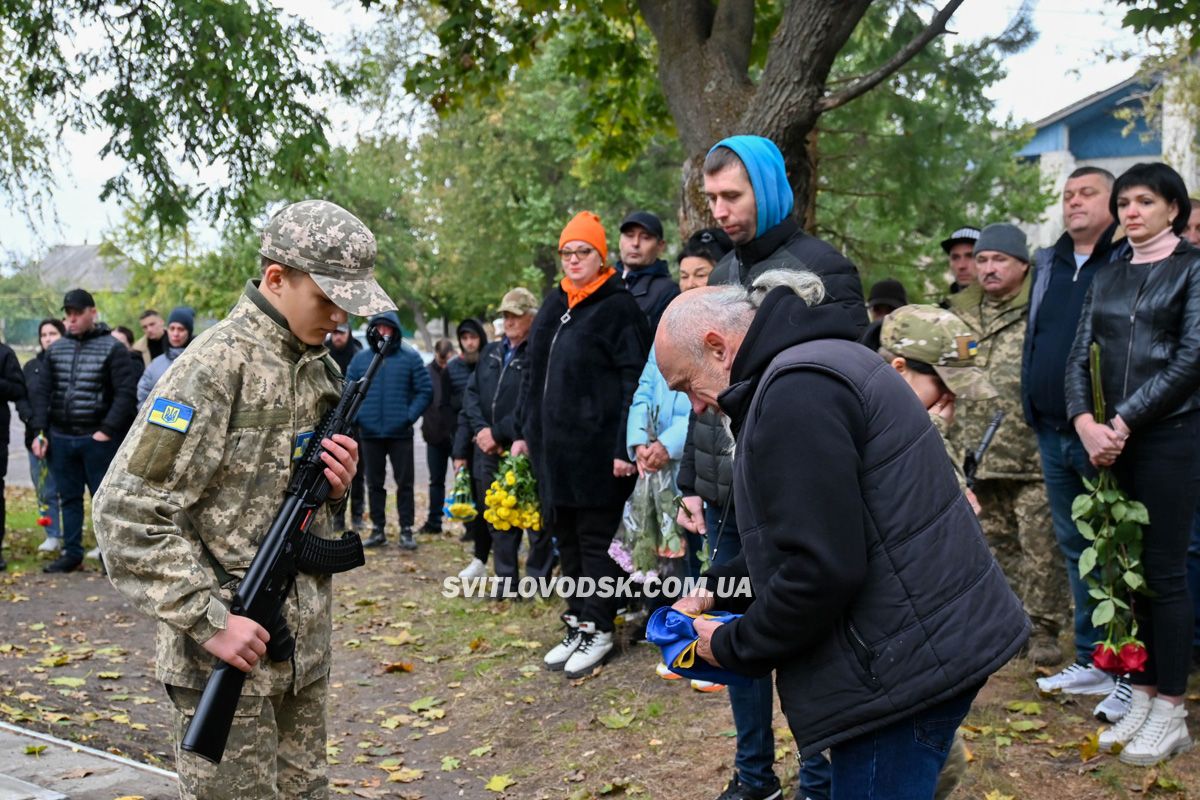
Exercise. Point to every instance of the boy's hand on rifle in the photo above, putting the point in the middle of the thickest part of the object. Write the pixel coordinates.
(341, 462)
(241, 644)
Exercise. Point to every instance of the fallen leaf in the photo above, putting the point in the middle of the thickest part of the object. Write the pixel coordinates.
(73, 683)
(75, 774)
(617, 720)
(398, 666)
(108, 676)
(1024, 725)
(34, 749)
(425, 703)
(406, 775)
(481, 751)
(1027, 707)
(1089, 747)
(498, 783)
(450, 763)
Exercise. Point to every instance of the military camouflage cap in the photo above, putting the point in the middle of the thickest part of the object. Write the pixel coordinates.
(938, 338)
(519, 301)
(334, 247)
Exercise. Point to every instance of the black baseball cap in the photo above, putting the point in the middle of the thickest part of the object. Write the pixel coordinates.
(78, 298)
(645, 219)
(888, 292)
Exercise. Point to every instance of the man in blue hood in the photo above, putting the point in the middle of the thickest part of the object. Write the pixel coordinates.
(749, 195)
(645, 273)
(397, 398)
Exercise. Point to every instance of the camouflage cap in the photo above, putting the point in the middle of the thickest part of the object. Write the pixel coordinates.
(519, 301)
(334, 247)
(938, 338)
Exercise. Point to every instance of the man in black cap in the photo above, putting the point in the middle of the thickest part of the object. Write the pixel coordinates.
(81, 411)
(646, 274)
(886, 296)
(960, 250)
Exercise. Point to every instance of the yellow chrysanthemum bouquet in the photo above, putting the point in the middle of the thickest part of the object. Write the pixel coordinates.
(512, 499)
(459, 504)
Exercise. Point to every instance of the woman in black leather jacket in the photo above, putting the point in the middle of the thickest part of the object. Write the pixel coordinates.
(1144, 311)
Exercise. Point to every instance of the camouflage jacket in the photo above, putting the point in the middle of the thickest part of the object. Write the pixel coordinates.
(955, 460)
(1001, 331)
(197, 482)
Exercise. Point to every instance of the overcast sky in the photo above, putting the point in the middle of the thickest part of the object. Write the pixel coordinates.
(1067, 63)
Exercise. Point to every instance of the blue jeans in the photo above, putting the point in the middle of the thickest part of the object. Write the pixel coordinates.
(901, 761)
(47, 496)
(77, 461)
(1064, 464)
(754, 705)
(1193, 572)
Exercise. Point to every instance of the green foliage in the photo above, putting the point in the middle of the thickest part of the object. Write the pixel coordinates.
(24, 298)
(918, 156)
(501, 180)
(191, 83)
(1180, 17)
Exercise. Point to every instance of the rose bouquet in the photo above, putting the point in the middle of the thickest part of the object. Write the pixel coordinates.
(512, 499)
(1111, 564)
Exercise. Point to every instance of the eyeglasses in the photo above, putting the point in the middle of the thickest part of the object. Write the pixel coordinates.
(580, 253)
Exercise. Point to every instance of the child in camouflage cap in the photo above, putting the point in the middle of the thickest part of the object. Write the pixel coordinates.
(199, 478)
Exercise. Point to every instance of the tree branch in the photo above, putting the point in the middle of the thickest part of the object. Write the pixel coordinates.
(733, 32)
(936, 27)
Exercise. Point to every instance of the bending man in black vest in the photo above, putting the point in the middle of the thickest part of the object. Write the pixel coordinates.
(872, 636)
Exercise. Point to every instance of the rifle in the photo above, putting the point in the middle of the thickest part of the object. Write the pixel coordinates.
(973, 460)
(288, 548)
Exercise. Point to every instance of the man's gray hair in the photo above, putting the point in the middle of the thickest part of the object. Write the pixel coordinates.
(732, 308)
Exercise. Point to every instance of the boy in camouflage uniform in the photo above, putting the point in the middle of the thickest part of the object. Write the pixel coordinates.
(199, 478)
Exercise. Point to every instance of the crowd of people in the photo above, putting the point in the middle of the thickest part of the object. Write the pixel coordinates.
(892, 574)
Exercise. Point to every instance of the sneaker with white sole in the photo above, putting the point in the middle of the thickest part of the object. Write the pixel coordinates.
(1077, 679)
(665, 673)
(594, 647)
(556, 659)
(52, 545)
(1124, 731)
(706, 686)
(94, 554)
(1163, 735)
(1116, 705)
(476, 569)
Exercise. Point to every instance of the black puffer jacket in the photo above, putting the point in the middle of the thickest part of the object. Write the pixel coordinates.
(90, 386)
(787, 246)
(35, 373)
(1146, 318)
(12, 388)
(875, 594)
(653, 288)
(706, 468)
(576, 393)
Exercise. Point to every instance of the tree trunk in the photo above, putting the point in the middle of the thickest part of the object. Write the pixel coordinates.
(422, 324)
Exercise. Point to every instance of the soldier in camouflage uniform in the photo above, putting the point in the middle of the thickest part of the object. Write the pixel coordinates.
(1016, 513)
(199, 478)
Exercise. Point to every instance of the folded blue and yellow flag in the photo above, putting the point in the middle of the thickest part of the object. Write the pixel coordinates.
(675, 634)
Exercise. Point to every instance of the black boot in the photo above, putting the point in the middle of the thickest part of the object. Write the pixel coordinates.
(407, 541)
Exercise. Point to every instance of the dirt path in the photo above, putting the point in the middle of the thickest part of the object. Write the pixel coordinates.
(435, 697)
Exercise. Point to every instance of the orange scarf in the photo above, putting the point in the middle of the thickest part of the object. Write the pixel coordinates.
(577, 296)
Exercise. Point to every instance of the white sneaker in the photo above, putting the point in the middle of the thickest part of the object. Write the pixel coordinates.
(1116, 705)
(52, 545)
(1077, 679)
(594, 647)
(1130, 724)
(1163, 735)
(665, 673)
(476, 569)
(556, 659)
(93, 553)
(706, 686)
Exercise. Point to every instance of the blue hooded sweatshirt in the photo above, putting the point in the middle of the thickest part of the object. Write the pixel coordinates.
(768, 178)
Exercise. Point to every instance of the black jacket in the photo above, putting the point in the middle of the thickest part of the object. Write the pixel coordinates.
(653, 288)
(875, 594)
(492, 396)
(35, 372)
(787, 246)
(1146, 319)
(1058, 321)
(12, 389)
(344, 355)
(439, 420)
(90, 386)
(583, 369)
(706, 468)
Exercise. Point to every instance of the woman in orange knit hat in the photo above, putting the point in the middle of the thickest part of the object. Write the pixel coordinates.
(586, 351)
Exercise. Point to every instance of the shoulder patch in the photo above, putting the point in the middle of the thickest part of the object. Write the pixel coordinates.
(169, 414)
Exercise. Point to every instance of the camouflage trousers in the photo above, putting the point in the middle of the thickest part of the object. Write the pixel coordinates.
(1016, 521)
(276, 748)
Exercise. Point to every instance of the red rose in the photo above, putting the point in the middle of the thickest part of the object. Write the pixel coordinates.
(1133, 657)
(1105, 657)
(44, 521)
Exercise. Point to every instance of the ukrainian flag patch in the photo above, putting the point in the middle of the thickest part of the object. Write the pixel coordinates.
(301, 443)
(169, 414)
